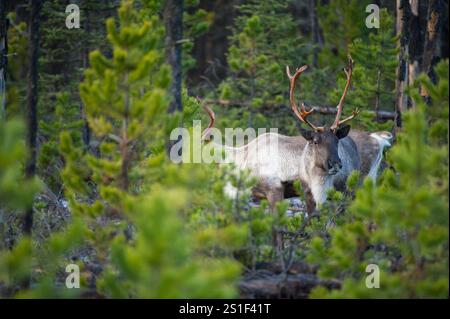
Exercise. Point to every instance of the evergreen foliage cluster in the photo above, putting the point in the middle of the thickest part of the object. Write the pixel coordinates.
(402, 223)
(108, 199)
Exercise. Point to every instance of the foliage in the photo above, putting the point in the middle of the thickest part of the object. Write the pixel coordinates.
(196, 22)
(341, 21)
(232, 227)
(373, 81)
(142, 242)
(16, 192)
(62, 59)
(17, 67)
(50, 162)
(401, 224)
(264, 41)
(141, 226)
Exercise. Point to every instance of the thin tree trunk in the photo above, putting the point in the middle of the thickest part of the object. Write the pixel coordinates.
(86, 133)
(377, 94)
(173, 20)
(401, 83)
(415, 43)
(124, 144)
(32, 100)
(3, 58)
(315, 31)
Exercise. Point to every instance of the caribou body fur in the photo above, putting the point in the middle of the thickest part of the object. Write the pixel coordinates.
(275, 160)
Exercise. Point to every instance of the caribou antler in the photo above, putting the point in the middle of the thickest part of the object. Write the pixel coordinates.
(303, 113)
(348, 72)
(212, 118)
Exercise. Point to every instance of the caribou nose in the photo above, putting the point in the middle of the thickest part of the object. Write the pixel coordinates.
(334, 164)
(329, 164)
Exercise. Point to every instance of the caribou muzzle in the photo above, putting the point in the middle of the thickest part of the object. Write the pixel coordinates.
(334, 167)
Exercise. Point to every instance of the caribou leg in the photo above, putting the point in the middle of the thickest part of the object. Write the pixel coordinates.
(274, 195)
(310, 203)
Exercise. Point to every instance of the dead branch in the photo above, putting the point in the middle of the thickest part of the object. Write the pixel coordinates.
(325, 110)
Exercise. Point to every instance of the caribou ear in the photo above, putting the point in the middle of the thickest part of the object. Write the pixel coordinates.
(342, 131)
(307, 134)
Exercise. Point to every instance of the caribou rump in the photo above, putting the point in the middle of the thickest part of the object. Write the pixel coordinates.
(320, 158)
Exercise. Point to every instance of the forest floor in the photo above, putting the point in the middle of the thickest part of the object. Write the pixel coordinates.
(283, 279)
(271, 279)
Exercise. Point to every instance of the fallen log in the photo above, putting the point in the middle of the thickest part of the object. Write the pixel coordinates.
(295, 268)
(325, 110)
(283, 286)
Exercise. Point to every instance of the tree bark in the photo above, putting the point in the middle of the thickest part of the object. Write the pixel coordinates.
(402, 70)
(411, 48)
(271, 108)
(431, 53)
(415, 43)
(32, 100)
(3, 58)
(419, 51)
(270, 281)
(173, 20)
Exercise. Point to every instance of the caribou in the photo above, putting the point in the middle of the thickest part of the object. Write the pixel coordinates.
(320, 157)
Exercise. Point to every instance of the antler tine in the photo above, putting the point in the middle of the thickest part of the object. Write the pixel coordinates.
(212, 119)
(354, 113)
(301, 114)
(298, 71)
(348, 73)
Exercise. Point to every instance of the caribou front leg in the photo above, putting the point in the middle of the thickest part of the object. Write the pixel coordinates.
(275, 195)
(309, 199)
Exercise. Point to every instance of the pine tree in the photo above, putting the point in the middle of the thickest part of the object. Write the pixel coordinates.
(196, 22)
(65, 117)
(342, 21)
(373, 80)
(16, 195)
(32, 103)
(401, 225)
(141, 243)
(62, 61)
(17, 66)
(265, 39)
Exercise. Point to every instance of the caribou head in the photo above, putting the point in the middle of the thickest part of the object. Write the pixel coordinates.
(322, 142)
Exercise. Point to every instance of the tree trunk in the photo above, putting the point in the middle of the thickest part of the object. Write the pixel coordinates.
(431, 53)
(3, 58)
(269, 109)
(419, 51)
(315, 32)
(415, 43)
(173, 20)
(86, 132)
(377, 94)
(402, 81)
(32, 100)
